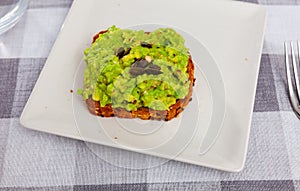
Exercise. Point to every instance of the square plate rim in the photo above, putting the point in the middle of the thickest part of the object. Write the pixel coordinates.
(237, 169)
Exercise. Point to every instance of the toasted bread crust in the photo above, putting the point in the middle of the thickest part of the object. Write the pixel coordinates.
(144, 112)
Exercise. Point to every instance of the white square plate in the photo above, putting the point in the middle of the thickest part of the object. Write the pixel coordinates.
(232, 32)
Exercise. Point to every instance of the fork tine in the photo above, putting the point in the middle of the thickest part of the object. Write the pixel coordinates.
(288, 71)
(295, 68)
(293, 97)
(298, 43)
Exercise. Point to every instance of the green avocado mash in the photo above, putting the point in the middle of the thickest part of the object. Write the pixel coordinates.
(132, 69)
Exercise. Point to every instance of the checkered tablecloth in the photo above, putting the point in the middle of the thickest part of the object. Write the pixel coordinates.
(31, 160)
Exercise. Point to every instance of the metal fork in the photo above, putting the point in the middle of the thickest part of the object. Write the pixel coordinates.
(295, 99)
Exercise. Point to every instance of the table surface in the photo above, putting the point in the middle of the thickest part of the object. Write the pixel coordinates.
(31, 160)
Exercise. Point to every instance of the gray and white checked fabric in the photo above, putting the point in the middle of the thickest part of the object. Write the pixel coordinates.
(32, 160)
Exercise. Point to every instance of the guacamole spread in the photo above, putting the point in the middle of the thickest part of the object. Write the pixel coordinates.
(132, 69)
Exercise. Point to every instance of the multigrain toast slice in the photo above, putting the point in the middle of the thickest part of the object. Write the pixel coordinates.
(143, 62)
